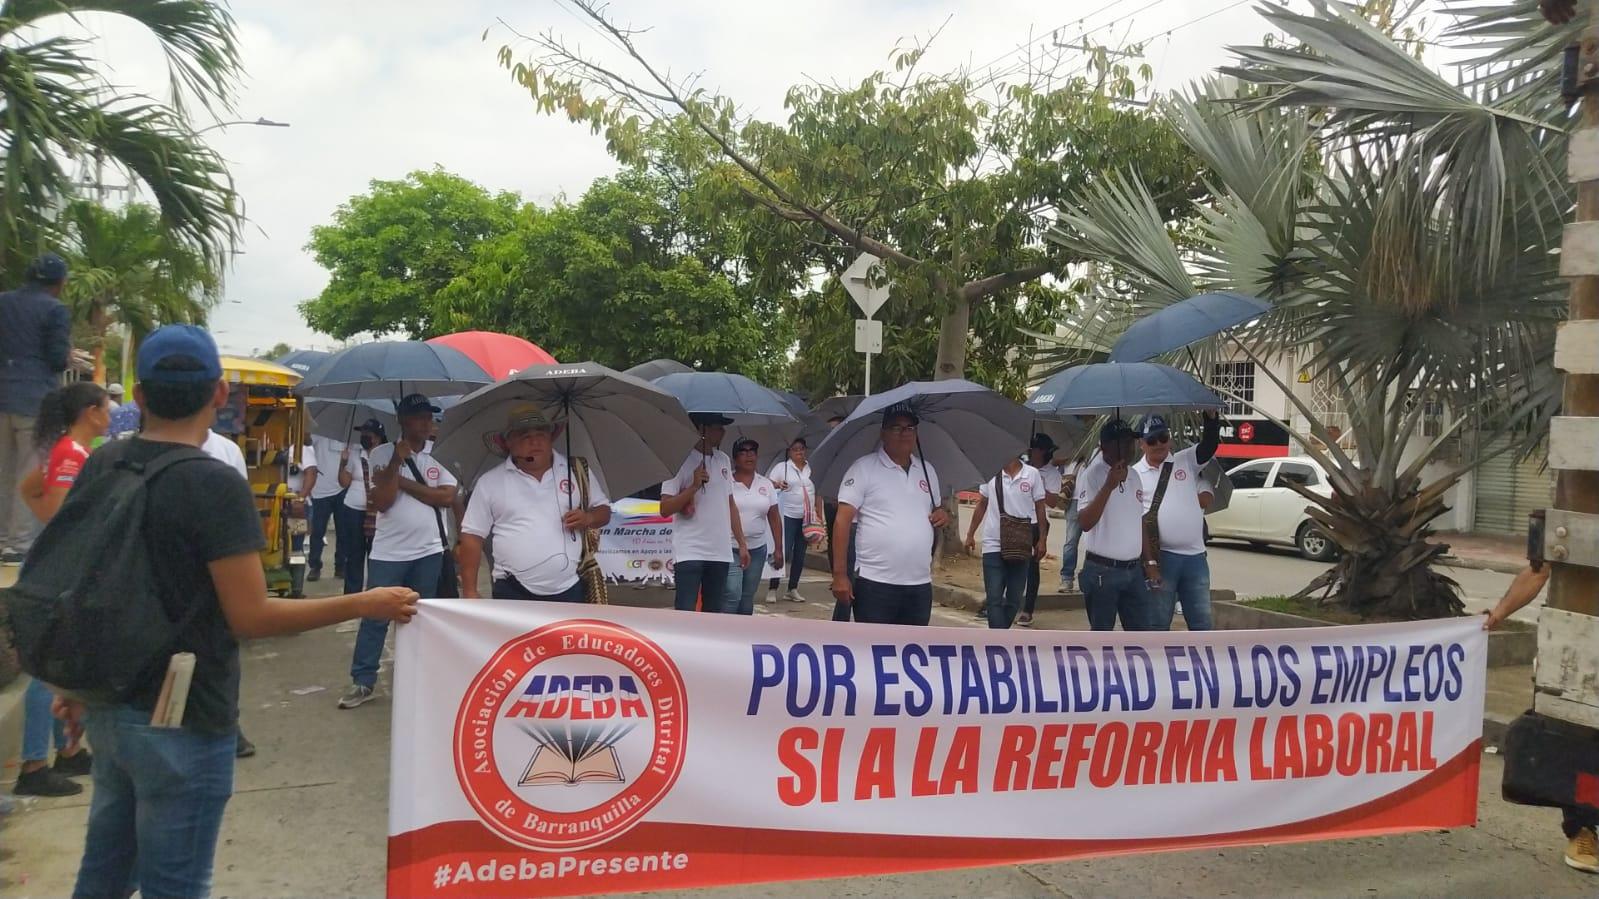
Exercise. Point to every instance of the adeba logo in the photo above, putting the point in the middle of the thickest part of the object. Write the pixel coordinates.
(571, 734)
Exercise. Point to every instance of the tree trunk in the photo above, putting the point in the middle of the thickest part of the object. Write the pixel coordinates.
(952, 337)
(99, 324)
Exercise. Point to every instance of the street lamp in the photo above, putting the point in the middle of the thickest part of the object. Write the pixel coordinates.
(263, 122)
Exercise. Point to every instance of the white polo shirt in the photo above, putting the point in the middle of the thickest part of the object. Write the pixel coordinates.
(753, 503)
(1119, 533)
(327, 480)
(1182, 521)
(893, 538)
(409, 530)
(1021, 492)
(523, 514)
(800, 488)
(707, 534)
(1051, 477)
(296, 482)
(224, 450)
(355, 494)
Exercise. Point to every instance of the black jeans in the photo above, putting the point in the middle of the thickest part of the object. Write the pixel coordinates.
(1031, 599)
(878, 603)
(1575, 818)
(322, 513)
(509, 587)
(353, 521)
(1115, 592)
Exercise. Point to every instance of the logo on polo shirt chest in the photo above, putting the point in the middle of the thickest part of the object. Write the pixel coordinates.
(565, 486)
(1025, 486)
(762, 491)
(922, 485)
(433, 473)
(1180, 475)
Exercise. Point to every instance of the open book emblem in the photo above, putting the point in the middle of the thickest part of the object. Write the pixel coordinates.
(574, 755)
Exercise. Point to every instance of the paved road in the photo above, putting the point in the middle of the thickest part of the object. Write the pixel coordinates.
(309, 817)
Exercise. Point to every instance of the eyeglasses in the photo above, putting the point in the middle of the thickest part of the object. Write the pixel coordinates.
(901, 429)
(1157, 439)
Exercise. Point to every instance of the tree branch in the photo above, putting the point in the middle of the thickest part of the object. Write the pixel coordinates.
(982, 288)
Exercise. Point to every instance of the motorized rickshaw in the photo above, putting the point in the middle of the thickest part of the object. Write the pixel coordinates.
(268, 422)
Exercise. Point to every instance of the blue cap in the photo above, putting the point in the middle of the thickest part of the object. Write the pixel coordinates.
(1114, 430)
(1155, 424)
(48, 269)
(179, 342)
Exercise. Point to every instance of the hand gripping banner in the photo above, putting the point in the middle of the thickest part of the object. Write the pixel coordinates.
(537, 754)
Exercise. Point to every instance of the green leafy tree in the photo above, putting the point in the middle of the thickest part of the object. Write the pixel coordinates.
(945, 177)
(130, 269)
(389, 252)
(619, 277)
(56, 106)
(278, 350)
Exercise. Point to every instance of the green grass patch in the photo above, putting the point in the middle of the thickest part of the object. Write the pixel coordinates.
(1308, 608)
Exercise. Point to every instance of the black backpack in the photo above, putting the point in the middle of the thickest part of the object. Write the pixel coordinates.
(86, 612)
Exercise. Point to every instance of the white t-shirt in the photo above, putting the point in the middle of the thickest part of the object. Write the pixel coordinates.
(800, 487)
(296, 482)
(707, 534)
(893, 538)
(523, 514)
(1021, 492)
(1119, 533)
(355, 494)
(1182, 522)
(1051, 477)
(222, 449)
(409, 530)
(753, 503)
(327, 482)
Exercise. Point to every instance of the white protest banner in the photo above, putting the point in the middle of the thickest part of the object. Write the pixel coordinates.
(536, 753)
(637, 543)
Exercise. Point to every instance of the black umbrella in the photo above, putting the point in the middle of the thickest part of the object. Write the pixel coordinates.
(390, 369)
(657, 368)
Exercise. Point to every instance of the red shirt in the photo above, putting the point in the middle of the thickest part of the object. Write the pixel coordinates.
(66, 460)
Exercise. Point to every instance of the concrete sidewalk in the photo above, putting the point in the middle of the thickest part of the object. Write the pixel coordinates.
(1487, 552)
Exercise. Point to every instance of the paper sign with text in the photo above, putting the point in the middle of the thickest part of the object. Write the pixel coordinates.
(537, 753)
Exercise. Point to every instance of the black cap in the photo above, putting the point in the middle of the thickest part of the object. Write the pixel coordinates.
(415, 404)
(1114, 430)
(900, 409)
(709, 419)
(372, 426)
(746, 443)
(1042, 441)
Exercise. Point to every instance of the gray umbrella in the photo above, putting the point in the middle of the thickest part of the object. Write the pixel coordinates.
(967, 433)
(656, 368)
(338, 419)
(633, 433)
(390, 369)
(759, 413)
(837, 406)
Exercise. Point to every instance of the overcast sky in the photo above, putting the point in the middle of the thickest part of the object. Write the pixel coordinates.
(373, 89)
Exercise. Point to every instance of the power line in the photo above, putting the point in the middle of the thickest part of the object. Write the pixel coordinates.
(1025, 47)
(1124, 17)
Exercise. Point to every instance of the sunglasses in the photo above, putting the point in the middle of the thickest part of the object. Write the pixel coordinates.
(1157, 439)
(901, 429)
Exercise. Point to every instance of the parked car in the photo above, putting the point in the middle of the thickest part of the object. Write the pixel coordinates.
(1264, 510)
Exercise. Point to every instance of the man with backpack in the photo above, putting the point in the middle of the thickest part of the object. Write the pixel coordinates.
(176, 538)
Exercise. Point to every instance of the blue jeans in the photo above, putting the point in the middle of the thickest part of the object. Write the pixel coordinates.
(39, 727)
(880, 603)
(1186, 580)
(322, 511)
(1004, 582)
(354, 547)
(1115, 592)
(702, 581)
(1068, 550)
(421, 575)
(739, 597)
(159, 793)
(794, 549)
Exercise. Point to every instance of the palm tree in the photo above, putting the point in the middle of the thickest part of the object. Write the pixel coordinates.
(56, 107)
(129, 269)
(1399, 224)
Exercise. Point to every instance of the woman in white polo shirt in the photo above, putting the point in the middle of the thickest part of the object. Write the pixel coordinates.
(798, 502)
(755, 498)
(1021, 491)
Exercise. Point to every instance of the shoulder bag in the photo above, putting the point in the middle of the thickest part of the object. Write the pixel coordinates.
(588, 568)
(1015, 532)
(449, 585)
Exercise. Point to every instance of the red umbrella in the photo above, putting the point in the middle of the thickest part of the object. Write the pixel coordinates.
(501, 355)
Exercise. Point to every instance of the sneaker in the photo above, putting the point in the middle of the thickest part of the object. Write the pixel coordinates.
(1068, 585)
(1024, 620)
(314, 574)
(355, 696)
(45, 782)
(1582, 851)
(11, 558)
(245, 748)
(771, 596)
(77, 765)
(793, 596)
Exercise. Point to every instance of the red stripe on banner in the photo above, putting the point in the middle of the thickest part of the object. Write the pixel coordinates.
(1250, 451)
(659, 855)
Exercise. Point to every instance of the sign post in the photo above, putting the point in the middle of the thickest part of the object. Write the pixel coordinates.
(866, 284)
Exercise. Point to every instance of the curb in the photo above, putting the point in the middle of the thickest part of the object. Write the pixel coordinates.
(1481, 564)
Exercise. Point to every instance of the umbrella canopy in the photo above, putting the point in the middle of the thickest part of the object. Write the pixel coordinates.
(837, 406)
(302, 361)
(633, 433)
(390, 369)
(1185, 323)
(338, 419)
(657, 368)
(1117, 387)
(967, 433)
(501, 355)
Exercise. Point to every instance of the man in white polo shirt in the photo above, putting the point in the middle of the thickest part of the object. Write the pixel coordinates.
(1184, 567)
(889, 497)
(705, 525)
(532, 507)
(410, 490)
(1119, 566)
(327, 497)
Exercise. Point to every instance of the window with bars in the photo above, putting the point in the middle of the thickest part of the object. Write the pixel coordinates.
(1432, 413)
(1238, 379)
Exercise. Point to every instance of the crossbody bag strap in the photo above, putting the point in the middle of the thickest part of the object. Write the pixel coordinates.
(438, 513)
(999, 494)
(1160, 488)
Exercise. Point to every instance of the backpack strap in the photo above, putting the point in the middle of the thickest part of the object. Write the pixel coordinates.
(149, 471)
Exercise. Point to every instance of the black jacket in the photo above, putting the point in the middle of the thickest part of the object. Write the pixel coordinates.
(35, 338)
